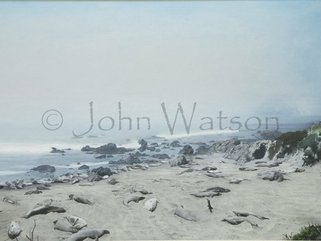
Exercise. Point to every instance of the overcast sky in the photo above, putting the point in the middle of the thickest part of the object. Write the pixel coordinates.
(242, 57)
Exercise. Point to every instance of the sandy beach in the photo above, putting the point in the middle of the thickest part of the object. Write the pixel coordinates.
(288, 205)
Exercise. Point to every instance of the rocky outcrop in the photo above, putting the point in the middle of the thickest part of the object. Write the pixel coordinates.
(44, 169)
(233, 149)
(259, 153)
(245, 151)
(175, 144)
(203, 149)
(179, 161)
(287, 145)
(131, 159)
(55, 150)
(160, 156)
(83, 167)
(187, 150)
(143, 145)
(103, 171)
(109, 149)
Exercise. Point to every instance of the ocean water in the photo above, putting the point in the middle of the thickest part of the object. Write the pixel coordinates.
(17, 158)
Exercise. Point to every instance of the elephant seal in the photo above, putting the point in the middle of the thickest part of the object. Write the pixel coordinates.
(206, 194)
(237, 221)
(236, 180)
(151, 204)
(10, 201)
(80, 199)
(245, 214)
(88, 233)
(14, 230)
(217, 189)
(44, 210)
(141, 190)
(185, 214)
(247, 169)
(132, 198)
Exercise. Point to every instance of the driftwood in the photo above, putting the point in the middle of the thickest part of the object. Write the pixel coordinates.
(44, 210)
(88, 233)
(209, 205)
(31, 237)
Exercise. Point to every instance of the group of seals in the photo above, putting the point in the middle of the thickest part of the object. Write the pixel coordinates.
(71, 224)
(242, 217)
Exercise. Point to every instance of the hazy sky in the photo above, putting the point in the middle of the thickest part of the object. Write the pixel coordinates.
(244, 58)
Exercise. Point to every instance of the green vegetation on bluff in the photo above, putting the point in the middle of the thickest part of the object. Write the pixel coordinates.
(311, 232)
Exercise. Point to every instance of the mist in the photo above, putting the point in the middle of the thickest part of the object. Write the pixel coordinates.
(242, 58)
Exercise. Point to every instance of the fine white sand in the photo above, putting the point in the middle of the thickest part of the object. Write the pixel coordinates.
(289, 205)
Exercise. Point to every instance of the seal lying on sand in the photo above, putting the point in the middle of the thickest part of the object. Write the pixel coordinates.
(211, 192)
(151, 204)
(44, 210)
(237, 221)
(206, 194)
(14, 230)
(9, 200)
(141, 190)
(80, 199)
(215, 175)
(88, 233)
(185, 214)
(272, 176)
(217, 189)
(248, 169)
(132, 198)
(245, 214)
